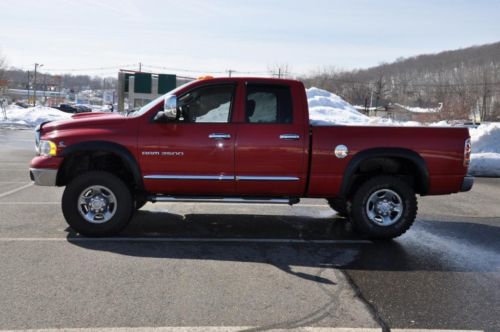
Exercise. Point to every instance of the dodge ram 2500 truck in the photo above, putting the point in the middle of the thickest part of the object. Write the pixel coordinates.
(243, 140)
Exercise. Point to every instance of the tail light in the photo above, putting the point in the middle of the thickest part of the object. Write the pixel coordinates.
(467, 152)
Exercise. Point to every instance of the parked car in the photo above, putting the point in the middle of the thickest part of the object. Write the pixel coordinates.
(83, 108)
(68, 108)
(21, 104)
(244, 140)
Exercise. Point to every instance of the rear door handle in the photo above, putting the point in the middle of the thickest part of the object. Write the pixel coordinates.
(289, 136)
(219, 136)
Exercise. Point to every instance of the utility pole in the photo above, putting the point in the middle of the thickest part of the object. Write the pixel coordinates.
(279, 72)
(28, 86)
(103, 89)
(140, 66)
(44, 89)
(34, 83)
(371, 98)
(230, 71)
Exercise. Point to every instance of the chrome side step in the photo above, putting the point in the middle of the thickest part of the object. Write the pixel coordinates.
(245, 200)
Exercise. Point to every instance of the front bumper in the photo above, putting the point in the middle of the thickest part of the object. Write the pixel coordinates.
(43, 176)
(467, 183)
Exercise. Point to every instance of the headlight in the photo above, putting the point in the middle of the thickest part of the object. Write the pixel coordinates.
(47, 148)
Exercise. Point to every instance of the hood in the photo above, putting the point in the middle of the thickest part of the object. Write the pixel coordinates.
(89, 119)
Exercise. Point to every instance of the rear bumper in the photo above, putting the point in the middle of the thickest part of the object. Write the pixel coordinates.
(43, 176)
(467, 183)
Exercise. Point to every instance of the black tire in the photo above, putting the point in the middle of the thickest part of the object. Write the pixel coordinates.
(339, 205)
(361, 204)
(123, 207)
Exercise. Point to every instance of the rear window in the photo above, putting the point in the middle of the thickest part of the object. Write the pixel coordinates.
(268, 104)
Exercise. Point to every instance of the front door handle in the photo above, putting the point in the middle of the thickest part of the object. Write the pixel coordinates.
(289, 136)
(219, 136)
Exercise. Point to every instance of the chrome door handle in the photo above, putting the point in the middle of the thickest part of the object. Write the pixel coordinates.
(289, 136)
(219, 136)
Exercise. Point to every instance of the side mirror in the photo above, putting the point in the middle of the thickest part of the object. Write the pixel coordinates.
(170, 107)
(169, 112)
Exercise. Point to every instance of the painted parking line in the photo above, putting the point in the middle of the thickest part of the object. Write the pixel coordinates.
(10, 192)
(177, 239)
(30, 203)
(202, 329)
(228, 329)
(431, 330)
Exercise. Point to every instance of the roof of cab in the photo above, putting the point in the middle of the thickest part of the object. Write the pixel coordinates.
(244, 79)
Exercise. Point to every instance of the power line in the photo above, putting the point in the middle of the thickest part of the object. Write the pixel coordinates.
(410, 85)
(90, 69)
(184, 70)
(229, 71)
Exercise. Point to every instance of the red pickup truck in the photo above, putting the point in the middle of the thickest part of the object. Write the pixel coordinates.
(244, 140)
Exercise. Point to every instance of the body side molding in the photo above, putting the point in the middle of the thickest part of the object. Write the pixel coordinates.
(220, 177)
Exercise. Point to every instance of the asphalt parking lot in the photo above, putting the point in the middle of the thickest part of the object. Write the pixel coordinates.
(206, 267)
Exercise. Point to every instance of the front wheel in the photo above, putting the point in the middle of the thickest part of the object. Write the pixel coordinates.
(139, 203)
(339, 205)
(97, 204)
(383, 207)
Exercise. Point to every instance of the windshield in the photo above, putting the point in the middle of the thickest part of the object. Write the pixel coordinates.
(156, 101)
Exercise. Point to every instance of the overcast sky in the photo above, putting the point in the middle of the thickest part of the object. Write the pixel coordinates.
(213, 36)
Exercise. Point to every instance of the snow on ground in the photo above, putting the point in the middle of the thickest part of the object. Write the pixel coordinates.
(485, 158)
(421, 109)
(485, 164)
(18, 117)
(486, 138)
(326, 108)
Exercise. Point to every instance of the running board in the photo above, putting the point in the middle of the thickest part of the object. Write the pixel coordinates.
(246, 200)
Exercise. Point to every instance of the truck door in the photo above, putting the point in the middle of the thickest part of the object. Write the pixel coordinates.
(195, 154)
(271, 158)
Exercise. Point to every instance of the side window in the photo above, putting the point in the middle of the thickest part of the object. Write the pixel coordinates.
(268, 104)
(211, 104)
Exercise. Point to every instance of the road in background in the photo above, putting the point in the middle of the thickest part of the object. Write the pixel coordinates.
(263, 266)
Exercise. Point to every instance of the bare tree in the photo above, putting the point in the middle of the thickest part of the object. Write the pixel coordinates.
(3, 66)
(282, 70)
(3, 101)
(380, 87)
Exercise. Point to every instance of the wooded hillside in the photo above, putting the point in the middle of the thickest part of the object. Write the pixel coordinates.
(465, 81)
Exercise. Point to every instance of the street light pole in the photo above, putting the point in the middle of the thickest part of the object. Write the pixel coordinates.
(28, 86)
(44, 89)
(34, 84)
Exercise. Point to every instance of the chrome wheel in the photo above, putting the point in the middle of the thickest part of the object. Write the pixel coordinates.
(384, 207)
(97, 204)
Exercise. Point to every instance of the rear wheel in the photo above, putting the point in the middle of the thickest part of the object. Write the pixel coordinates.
(383, 207)
(97, 204)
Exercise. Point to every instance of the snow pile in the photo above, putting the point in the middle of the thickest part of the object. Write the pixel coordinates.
(31, 116)
(485, 158)
(326, 108)
(219, 114)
